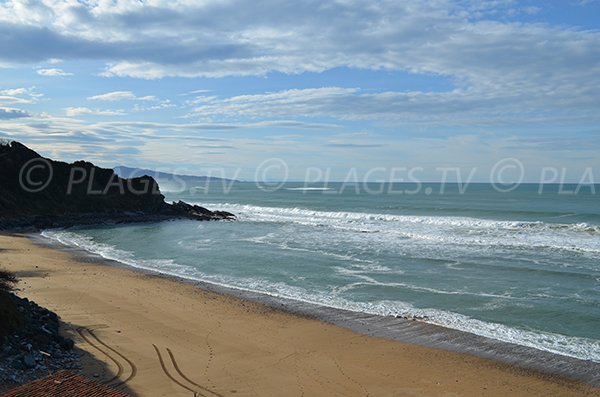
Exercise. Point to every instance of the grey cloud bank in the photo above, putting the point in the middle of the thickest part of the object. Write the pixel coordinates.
(498, 67)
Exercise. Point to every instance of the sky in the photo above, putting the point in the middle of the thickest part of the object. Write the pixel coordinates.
(308, 90)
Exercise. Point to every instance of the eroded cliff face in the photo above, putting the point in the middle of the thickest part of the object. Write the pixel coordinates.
(39, 192)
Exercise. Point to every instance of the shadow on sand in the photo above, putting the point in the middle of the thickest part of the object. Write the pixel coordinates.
(108, 364)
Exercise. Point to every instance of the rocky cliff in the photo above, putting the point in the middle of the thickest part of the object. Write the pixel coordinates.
(39, 192)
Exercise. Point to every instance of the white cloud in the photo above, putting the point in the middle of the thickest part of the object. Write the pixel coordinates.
(13, 96)
(14, 91)
(165, 104)
(202, 99)
(121, 96)
(13, 100)
(147, 98)
(79, 111)
(195, 92)
(12, 113)
(53, 72)
(460, 106)
(48, 128)
(113, 96)
(288, 103)
(212, 69)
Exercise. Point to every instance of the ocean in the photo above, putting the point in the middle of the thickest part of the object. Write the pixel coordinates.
(519, 265)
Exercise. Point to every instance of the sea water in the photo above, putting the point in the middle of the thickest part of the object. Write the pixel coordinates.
(520, 266)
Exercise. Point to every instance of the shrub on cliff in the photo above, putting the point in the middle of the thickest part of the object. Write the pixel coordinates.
(9, 316)
(7, 281)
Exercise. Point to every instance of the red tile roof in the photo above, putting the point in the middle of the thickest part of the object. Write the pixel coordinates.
(64, 384)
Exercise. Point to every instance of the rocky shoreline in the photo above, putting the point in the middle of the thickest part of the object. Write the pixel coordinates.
(29, 223)
(36, 348)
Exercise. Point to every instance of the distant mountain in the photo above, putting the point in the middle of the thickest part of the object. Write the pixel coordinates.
(129, 172)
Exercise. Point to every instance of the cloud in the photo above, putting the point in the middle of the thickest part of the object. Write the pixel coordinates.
(13, 100)
(12, 113)
(215, 38)
(195, 92)
(210, 146)
(46, 128)
(230, 146)
(13, 96)
(121, 96)
(202, 99)
(161, 104)
(78, 111)
(296, 102)
(503, 69)
(293, 124)
(353, 145)
(14, 91)
(157, 127)
(53, 72)
(113, 96)
(460, 106)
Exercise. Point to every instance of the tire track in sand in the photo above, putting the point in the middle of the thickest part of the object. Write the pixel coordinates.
(94, 341)
(176, 366)
(166, 371)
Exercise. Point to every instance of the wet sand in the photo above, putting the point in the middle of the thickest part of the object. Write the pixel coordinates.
(156, 336)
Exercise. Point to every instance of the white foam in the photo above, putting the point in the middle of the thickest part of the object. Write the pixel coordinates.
(112, 253)
(309, 189)
(252, 212)
(582, 348)
(444, 230)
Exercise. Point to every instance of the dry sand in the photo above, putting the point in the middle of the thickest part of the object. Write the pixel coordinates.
(168, 338)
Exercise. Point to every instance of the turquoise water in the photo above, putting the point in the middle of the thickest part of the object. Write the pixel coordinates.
(520, 266)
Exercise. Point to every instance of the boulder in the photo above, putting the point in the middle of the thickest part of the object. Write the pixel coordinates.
(67, 344)
(29, 361)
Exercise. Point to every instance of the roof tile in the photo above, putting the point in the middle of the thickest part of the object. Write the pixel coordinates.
(64, 384)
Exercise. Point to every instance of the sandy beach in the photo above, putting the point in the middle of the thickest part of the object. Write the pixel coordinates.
(154, 336)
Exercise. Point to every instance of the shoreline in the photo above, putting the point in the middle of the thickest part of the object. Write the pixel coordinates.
(373, 332)
(399, 329)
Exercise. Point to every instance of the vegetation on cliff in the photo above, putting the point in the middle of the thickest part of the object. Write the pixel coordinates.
(9, 316)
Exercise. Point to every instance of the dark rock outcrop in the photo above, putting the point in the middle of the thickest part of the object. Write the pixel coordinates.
(40, 193)
(199, 212)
